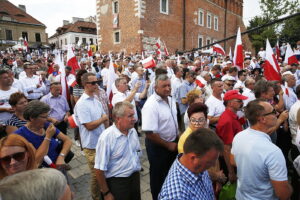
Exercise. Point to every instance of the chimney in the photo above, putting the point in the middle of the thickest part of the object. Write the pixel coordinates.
(66, 22)
(22, 7)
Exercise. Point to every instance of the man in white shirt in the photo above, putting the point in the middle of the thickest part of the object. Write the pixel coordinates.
(159, 122)
(289, 96)
(176, 81)
(33, 86)
(249, 90)
(215, 103)
(117, 162)
(5, 91)
(240, 83)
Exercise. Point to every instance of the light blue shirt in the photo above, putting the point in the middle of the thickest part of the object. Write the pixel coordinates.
(86, 110)
(117, 154)
(183, 89)
(258, 162)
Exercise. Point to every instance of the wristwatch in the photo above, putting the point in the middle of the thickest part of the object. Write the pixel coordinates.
(105, 193)
(62, 155)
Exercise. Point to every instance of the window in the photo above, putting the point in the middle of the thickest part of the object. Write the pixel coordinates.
(200, 41)
(38, 37)
(25, 35)
(164, 6)
(115, 7)
(83, 40)
(208, 42)
(76, 40)
(8, 34)
(200, 17)
(61, 43)
(66, 41)
(91, 41)
(117, 37)
(208, 20)
(216, 23)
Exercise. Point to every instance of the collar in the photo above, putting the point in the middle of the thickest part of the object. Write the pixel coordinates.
(260, 134)
(231, 113)
(158, 98)
(186, 173)
(85, 96)
(119, 133)
(187, 83)
(51, 95)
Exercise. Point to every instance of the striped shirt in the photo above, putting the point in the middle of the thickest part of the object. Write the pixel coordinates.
(183, 184)
(15, 121)
(77, 91)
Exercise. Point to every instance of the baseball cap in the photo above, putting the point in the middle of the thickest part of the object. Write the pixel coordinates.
(233, 94)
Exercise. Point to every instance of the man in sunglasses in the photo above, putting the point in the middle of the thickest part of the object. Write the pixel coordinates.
(92, 122)
(228, 126)
(261, 167)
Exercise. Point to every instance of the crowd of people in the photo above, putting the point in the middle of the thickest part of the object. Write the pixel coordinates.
(206, 122)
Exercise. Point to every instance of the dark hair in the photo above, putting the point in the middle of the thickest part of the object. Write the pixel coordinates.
(240, 73)
(232, 69)
(216, 67)
(253, 110)
(3, 71)
(78, 76)
(68, 68)
(15, 98)
(215, 80)
(197, 107)
(85, 77)
(201, 141)
(34, 109)
(260, 87)
(176, 69)
(160, 71)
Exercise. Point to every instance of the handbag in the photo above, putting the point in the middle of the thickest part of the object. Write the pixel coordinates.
(228, 191)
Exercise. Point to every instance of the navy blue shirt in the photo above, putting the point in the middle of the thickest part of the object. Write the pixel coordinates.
(36, 140)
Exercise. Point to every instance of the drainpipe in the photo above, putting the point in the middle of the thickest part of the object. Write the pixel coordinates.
(225, 24)
(183, 24)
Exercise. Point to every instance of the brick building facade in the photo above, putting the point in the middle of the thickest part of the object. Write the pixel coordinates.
(135, 25)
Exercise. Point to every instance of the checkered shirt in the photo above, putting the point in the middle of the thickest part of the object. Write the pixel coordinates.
(182, 184)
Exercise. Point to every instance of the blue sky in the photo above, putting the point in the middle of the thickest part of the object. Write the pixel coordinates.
(52, 12)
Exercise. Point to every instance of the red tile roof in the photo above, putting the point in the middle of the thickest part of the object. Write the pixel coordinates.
(77, 27)
(8, 9)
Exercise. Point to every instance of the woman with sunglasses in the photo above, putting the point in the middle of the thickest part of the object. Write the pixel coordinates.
(16, 155)
(18, 102)
(43, 135)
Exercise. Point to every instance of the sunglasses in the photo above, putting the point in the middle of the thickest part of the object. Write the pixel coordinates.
(16, 156)
(230, 85)
(93, 82)
(198, 121)
(271, 113)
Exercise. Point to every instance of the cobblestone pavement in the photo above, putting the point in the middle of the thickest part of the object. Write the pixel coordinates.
(79, 175)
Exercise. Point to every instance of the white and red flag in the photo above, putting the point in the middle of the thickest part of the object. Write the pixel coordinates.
(148, 62)
(219, 49)
(277, 50)
(26, 43)
(111, 77)
(230, 54)
(63, 79)
(158, 51)
(166, 50)
(90, 52)
(71, 60)
(290, 57)
(238, 58)
(271, 67)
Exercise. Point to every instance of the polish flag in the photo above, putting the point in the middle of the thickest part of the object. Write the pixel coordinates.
(148, 62)
(219, 49)
(111, 77)
(271, 67)
(238, 58)
(290, 57)
(166, 50)
(71, 60)
(230, 54)
(158, 51)
(198, 82)
(63, 79)
(90, 52)
(72, 81)
(49, 162)
(277, 50)
(26, 44)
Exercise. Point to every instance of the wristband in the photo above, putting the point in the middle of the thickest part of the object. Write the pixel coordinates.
(105, 193)
(62, 155)
(45, 138)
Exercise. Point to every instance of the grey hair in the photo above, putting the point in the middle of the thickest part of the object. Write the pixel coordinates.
(248, 81)
(37, 184)
(119, 108)
(161, 77)
(118, 80)
(34, 109)
(204, 73)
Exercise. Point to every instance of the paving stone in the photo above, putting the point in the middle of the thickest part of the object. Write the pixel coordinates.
(74, 163)
(146, 195)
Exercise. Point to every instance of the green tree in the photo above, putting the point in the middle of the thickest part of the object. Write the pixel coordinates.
(290, 30)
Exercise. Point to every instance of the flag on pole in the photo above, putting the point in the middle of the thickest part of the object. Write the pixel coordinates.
(290, 57)
(158, 51)
(71, 60)
(111, 77)
(90, 52)
(219, 49)
(166, 50)
(63, 80)
(271, 67)
(238, 58)
(148, 62)
(26, 44)
(230, 54)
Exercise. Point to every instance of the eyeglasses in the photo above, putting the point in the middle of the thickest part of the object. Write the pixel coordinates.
(198, 121)
(271, 113)
(230, 85)
(93, 82)
(16, 156)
